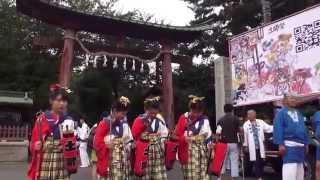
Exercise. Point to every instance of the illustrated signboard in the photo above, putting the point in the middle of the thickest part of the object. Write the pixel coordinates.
(280, 57)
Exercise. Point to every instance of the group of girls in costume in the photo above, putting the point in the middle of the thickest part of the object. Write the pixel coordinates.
(123, 153)
(114, 141)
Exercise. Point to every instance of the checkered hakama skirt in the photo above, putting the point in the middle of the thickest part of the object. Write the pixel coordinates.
(52, 164)
(155, 169)
(197, 165)
(119, 166)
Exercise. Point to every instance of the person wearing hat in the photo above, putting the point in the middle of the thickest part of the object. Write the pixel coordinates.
(291, 136)
(193, 131)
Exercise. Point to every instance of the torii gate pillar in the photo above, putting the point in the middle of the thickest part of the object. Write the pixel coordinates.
(167, 88)
(67, 58)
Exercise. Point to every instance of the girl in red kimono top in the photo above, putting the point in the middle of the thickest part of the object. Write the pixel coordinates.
(193, 131)
(46, 149)
(112, 143)
(148, 132)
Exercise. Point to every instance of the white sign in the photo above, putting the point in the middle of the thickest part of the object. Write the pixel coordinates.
(281, 57)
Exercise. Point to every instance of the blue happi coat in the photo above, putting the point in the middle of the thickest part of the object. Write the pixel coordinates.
(286, 128)
(316, 118)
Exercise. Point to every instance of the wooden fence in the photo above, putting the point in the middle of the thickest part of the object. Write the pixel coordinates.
(14, 133)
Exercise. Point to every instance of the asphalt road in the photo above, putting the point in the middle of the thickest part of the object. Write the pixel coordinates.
(17, 171)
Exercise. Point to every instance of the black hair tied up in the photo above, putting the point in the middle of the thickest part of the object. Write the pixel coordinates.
(152, 103)
(56, 90)
(196, 103)
(122, 104)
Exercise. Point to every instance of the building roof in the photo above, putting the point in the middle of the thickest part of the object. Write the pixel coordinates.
(14, 98)
(66, 17)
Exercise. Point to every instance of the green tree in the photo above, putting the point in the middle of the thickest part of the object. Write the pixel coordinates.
(25, 67)
(197, 80)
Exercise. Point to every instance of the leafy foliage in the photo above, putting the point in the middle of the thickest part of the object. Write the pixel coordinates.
(197, 80)
(25, 67)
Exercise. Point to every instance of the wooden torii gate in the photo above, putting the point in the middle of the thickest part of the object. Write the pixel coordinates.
(73, 21)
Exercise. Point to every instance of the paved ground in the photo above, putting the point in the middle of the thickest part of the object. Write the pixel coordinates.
(17, 171)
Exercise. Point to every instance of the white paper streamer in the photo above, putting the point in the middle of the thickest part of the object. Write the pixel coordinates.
(87, 60)
(125, 64)
(95, 60)
(115, 63)
(141, 69)
(133, 65)
(105, 60)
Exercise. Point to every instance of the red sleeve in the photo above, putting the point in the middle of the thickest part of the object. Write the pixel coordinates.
(35, 132)
(137, 128)
(33, 168)
(181, 126)
(101, 148)
(183, 145)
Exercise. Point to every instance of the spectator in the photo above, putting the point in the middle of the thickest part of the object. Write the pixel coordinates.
(83, 134)
(254, 130)
(227, 132)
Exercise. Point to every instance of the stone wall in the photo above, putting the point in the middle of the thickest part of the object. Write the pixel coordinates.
(13, 151)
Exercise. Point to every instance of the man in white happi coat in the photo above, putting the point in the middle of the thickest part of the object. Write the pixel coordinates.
(83, 134)
(254, 130)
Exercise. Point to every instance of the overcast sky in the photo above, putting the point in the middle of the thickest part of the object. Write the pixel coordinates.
(174, 12)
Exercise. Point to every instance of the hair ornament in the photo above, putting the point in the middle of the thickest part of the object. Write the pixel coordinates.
(153, 99)
(195, 99)
(57, 87)
(124, 100)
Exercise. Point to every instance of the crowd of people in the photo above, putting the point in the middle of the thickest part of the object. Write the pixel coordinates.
(117, 151)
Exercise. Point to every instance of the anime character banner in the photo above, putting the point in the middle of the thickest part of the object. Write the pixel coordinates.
(283, 56)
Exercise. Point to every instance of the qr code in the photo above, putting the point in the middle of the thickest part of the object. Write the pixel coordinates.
(307, 36)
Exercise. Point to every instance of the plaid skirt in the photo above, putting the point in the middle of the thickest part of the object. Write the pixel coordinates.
(119, 167)
(52, 164)
(197, 165)
(155, 169)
